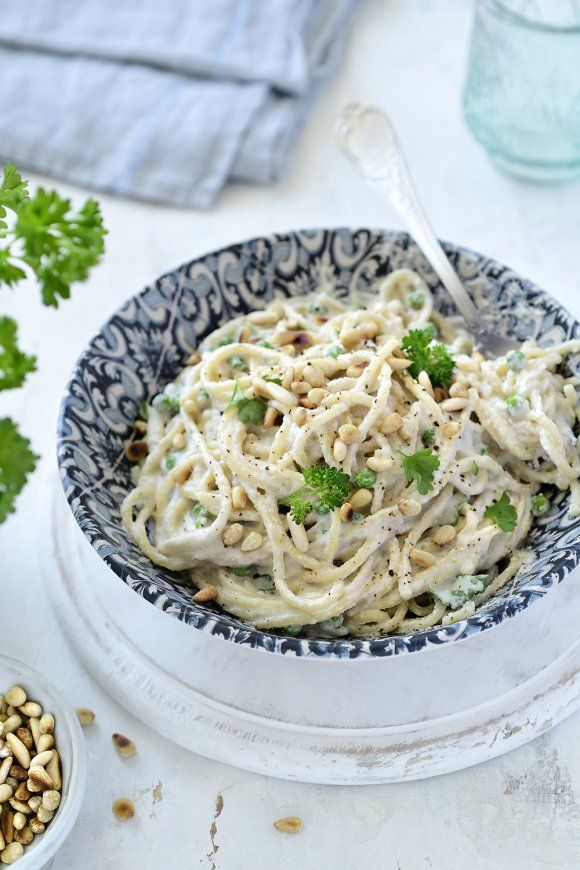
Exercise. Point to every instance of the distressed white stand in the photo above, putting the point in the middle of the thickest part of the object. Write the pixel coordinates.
(400, 718)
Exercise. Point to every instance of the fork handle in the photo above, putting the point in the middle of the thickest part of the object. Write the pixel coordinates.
(369, 140)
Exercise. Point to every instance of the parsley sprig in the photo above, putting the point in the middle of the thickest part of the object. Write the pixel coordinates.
(427, 356)
(249, 410)
(41, 236)
(503, 513)
(324, 486)
(420, 467)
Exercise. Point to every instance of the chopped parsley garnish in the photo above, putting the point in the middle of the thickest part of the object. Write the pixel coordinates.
(249, 410)
(291, 630)
(227, 339)
(334, 350)
(420, 467)
(317, 308)
(267, 344)
(514, 401)
(332, 624)
(416, 300)
(484, 451)
(243, 570)
(425, 356)
(329, 486)
(366, 477)
(474, 467)
(455, 593)
(540, 504)
(201, 517)
(166, 402)
(237, 362)
(144, 410)
(428, 437)
(170, 461)
(515, 360)
(503, 513)
(270, 380)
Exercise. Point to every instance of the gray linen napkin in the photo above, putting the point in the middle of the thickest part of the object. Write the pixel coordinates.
(162, 101)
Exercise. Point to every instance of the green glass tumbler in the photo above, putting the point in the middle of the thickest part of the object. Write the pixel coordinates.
(522, 91)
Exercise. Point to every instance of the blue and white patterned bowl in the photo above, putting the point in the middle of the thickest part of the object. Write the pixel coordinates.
(145, 343)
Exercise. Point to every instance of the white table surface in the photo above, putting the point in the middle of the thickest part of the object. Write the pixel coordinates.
(519, 812)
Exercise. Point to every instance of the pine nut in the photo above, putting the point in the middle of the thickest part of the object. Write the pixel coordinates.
(208, 593)
(42, 759)
(299, 416)
(370, 330)
(123, 809)
(11, 724)
(5, 792)
(313, 375)
(46, 741)
(46, 723)
(289, 825)
(449, 430)
(179, 441)
(19, 806)
(12, 853)
(346, 512)
(141, 427)
(439, 394)
(316, 395)
(34, 725)
(443, 535)
(36, 826)
(239, 498)
(285, 337)
(5, 770)
(244, 335)
(303, 340)
(24, 837)
(43, 815)
(34, 802)
(571, 395)
(397, 364)
(361, 498)
(301, 388)
(425, 382)
(263, 318)
(15, 696)
(232, 534)
(8, 825)
(19, 749)
(252, 542)
(457, 390)
(274, 391)
(193, 359)
(355, 371)
(53, 769)
(190, 407)
(289, 349)
(409, 507)
(422, 557)
(40, 778)
(391, 424)
(182, 472)
(350, 337)
(126, 749)
(85, 716)
(19, 821)
(339, 450)
(288, 378)
(136, 451)
(298, 535)
(24, 736)
(51, 798)
(380, 463)
(348, 433)
(22, 793)
(18, 773)
(456, 404)
(270, 417)
(31, 708)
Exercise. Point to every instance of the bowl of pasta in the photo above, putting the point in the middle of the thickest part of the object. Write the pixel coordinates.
(293, 444)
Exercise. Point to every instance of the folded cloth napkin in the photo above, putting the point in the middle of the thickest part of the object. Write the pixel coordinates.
(163, 101)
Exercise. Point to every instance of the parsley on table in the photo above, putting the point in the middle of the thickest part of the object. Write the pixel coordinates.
(425, 356)
(420, 467)
(329, 486)
(249, 410)
(14, 364)
(503, 513)
(17, 461)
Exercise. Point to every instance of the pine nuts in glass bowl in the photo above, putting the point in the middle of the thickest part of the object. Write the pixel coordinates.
(70, 744)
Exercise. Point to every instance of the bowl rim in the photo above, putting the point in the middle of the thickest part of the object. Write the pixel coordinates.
(76, 774)
(227, 627)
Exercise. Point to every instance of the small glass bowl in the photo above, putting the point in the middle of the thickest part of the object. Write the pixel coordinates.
(71, 747)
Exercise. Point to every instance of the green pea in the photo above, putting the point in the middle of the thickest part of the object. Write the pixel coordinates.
(322, 509)
(236, 362)
(416, 299)
(334, 350)
(170, 461)
(515, 360)
(540, 504)
(243, 570)
(366, 477)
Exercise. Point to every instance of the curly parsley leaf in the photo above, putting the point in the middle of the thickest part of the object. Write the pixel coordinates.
(426, 356)
(13, 192)
(10, 272)
(503, 513)
(14, 364)
(420, 467)
(17, 461)
(325, 487)
(249, 410)
(59, 246)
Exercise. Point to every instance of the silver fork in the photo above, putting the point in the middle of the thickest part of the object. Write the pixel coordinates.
(369, 140)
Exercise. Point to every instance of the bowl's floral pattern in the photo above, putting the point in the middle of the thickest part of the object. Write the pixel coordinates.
(147, 340)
